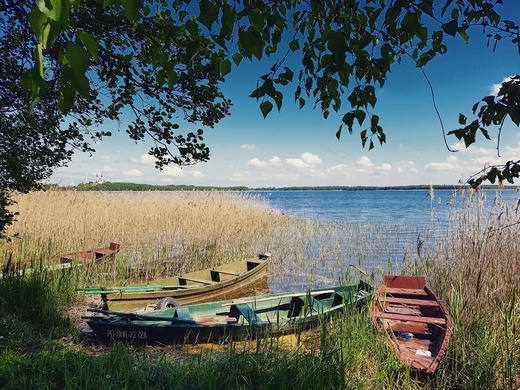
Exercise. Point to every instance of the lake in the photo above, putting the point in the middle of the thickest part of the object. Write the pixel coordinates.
(377, 230)
(405, 207)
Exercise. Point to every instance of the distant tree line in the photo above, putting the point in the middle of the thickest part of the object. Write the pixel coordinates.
(109, 186)
(374, 188)
(117, 186)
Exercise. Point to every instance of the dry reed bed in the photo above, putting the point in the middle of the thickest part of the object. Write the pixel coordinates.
(206, 226)
(478, 254)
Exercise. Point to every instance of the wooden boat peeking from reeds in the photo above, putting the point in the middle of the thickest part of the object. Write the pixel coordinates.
(223, 321)
(416, 323)
(217, 283)
(67, 260)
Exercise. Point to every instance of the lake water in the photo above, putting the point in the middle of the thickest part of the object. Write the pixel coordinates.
(405, 207)
(375, 230)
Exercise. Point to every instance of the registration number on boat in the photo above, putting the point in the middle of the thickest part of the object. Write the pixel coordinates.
(126, 334)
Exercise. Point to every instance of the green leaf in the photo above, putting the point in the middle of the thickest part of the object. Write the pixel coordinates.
(192, 49)
(464, 35)
(208, 13)
(294, 45)
(450, 28)
(266, 108)
(360, 116)
(54, 9)
(132, 8)
(337, 45)
(485, 133)
(338, 133)
(256, 19)
(225, 67)
(227, 20)
(46, 30)
(237, 58)
(462, 119)
(77, 58)
(108, 3)
(66, 100)
(90, 43)
(246, 40)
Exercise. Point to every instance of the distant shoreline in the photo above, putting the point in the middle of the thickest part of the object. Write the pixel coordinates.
(119, 186)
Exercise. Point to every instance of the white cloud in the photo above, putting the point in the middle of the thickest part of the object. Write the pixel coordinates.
(364, 161)
(133, 173)
(275, 160)
(173, 171)
(311, 159)
(384, 167)
(257, 163)
(197, 174)
(144, 159)
(248, 147)
(340, 168)
(107, 169)
(439, 166)
(460, 147)
(306, 160)
(296, 163)
(496, 87)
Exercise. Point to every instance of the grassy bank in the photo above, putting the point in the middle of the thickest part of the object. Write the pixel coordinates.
(473, 265)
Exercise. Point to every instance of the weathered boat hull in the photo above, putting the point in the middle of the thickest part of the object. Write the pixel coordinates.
(416, 323)
(68, 260)
(246, 277)
(228, 320)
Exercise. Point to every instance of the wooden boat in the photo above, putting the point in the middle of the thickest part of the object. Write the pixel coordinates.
(222, 321)
(67, 260)
(222, 282)
(416, 323)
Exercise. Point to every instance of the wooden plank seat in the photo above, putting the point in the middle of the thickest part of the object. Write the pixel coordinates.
(274, 297)
(404, 317)
(246, 311)
(406, 291)
(226, 272)
(183, 280)
(183, 313)
(408, 301)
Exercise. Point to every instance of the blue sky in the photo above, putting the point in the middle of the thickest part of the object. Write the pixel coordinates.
(299, 148)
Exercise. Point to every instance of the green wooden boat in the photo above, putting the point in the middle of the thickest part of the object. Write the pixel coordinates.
(213, 284)
(222, 321)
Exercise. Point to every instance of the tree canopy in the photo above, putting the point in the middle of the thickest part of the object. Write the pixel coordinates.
(71, 65)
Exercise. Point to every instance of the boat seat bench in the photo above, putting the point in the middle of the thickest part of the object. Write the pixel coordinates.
(404, 317)
(406, 291)
(183, 313)
(408, 301)
(226, 272)
(183, 280)
(246, 311)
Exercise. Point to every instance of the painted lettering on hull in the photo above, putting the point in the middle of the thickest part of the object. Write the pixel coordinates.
(126, 334)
